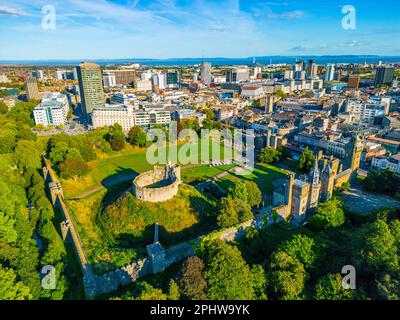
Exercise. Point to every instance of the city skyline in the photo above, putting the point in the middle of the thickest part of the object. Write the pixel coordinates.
(184, 29)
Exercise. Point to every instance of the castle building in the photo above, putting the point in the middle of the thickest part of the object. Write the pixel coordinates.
(292, 198)
(353, 151)
(300, 198)
(315, 186)
(327, 182)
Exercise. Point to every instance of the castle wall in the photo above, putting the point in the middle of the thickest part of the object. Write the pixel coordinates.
(343, 177)
(171, 174)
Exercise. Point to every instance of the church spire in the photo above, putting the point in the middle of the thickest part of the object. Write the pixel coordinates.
(315, 172)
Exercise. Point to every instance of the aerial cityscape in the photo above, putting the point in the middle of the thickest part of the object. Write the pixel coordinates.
(155, 166)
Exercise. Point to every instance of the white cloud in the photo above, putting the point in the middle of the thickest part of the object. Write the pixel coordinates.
(289, 15)
(10, 11)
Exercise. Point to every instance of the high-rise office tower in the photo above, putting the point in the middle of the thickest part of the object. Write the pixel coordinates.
(300, 75)
(90, 86)
(354, 81)
(298, 66)
(205, 73)
(32, 91)
(384, 75)
(38, 74)
(288, 75)
(330, 72)
(173, 79)
(311, 69)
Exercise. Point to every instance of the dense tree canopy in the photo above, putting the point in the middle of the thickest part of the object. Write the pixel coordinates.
(191, 281)
(287, 276)
(137, 137)
(329, 214)
(307, 160)
(301, 247)
(386, 181)
(10, 288)
(330, 287)
(227, 274)
(268, 155)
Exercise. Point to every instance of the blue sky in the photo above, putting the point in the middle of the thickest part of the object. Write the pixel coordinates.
(96, 29)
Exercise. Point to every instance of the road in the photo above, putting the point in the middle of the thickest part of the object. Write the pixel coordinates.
(360, 201)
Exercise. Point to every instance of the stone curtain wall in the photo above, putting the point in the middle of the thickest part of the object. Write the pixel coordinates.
(158, 194)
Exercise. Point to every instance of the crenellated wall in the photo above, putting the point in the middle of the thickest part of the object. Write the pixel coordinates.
(169, 175)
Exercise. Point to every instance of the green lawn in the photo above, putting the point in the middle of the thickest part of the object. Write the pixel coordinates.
(262, 174)
(202, 172)
(123, 166)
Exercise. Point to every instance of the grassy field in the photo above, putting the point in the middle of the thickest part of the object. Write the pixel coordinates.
(262, 174)
(199, 173)
(115, 232)
(122, 166)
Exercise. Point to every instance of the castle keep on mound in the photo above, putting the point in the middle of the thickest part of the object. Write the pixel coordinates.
(159, 184)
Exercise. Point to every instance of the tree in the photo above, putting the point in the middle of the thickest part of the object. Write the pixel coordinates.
(395, 230)
(239, 191)
(173, 291)
(307, 160)
(268, 155)
(25, 133)
(283, 152)
(287, 276)
(137, 136)
(58, 152)
(254, 195)
(387, 182)
(330, 287)
(301, 247)
(329, 214)
(227, 215)
(388, 286)
(193, 285)
(227, 274)
(3, 108)
(259, 281)
(232, 211)
(117, 143)
(10, 288)
(72, 168)
(243, 211)
(27, 155)
(378, 251)
(148, 292)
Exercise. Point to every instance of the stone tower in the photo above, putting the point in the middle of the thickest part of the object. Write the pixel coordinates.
(315, 186)
(327, 182)
(289, 193)
(156, 253)
(353, 152)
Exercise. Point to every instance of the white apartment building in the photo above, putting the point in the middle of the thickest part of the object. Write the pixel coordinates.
(109, 79)
(160, 80)
(252, 91)
(127, 117)
(364, 111)
(52, 110)
(124, 98)
(65, 75)
(383, 163)
(143, 85)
